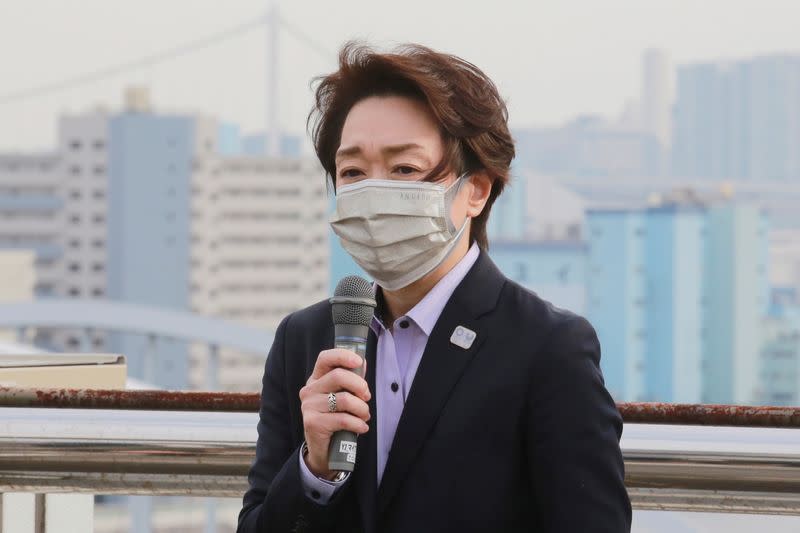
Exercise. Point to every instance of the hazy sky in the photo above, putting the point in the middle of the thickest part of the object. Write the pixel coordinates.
(551, 59)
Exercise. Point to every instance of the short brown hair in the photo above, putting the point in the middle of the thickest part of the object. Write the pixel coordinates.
(473, 119)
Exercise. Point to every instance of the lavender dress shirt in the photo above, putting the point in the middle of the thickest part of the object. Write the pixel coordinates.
(399, 353)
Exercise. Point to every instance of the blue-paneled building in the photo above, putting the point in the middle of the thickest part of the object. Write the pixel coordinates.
(554, 270)
(674, 242)
(509, 214)
(677, 294)
(734, 303)
(615, 287)
(149, 174)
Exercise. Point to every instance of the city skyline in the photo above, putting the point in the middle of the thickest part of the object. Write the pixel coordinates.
(157, 193)
(596, 49)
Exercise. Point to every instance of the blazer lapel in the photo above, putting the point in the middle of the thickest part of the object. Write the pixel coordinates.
(439, 370)
(366, 469)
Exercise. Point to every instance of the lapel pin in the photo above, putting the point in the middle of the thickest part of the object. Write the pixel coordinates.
(463, 337)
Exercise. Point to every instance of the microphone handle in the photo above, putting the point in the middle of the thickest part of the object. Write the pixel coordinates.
(342, 449)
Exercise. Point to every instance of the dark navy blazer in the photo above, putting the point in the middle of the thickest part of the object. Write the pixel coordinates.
(515, 433)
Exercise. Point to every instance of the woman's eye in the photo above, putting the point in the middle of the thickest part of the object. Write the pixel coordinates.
(350, 173)
(403, 169)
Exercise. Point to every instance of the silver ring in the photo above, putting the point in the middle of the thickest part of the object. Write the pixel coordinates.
(331, 402)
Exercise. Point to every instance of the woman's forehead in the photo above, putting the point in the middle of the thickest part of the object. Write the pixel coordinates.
(379, 124)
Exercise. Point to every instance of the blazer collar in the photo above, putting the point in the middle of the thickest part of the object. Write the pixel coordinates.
(440, 369)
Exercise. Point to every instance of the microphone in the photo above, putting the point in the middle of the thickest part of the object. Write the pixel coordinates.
(353, 305)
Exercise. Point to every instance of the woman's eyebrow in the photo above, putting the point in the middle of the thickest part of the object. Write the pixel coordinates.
(386, 150)
(400, 148)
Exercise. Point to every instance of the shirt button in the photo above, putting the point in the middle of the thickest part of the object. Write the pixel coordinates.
(404, 324)
(315, 494)
(395, 386)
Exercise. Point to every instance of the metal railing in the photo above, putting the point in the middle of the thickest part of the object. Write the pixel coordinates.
(161, 400)
(727, 467)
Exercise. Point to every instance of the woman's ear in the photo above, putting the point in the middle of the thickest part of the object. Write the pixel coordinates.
(480, 187)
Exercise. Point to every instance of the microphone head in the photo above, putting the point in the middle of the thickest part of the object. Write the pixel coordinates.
(353, 301)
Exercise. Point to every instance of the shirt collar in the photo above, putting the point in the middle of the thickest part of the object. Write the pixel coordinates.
(427, 311)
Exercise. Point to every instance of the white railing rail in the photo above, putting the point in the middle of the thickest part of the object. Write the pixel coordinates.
(106, 451)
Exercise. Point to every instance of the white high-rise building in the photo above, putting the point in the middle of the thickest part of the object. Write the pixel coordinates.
(83, 145)
(258, 249)
(656, 96)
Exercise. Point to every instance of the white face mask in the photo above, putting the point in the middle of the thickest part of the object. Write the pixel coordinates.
(397, 231)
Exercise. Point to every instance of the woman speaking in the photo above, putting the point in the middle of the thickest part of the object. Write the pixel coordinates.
(482, 408)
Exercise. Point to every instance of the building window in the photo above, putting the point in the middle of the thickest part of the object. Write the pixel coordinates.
(74, 292)
(99, 194)
(99, 170)
(98, 267)
(75, 170)
(98, 243)
(73, 342)
(74, 267)
(99, 144)
(98, 219)
(573, 231)
(74, 243)
(75, 194)
(75, 144)
(97, 292)
(75, 219)
(44, 289)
